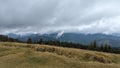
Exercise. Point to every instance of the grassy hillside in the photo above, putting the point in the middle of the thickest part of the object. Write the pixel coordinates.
(19, 55)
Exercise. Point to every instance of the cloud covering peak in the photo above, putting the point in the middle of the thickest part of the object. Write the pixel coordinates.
(47, 16)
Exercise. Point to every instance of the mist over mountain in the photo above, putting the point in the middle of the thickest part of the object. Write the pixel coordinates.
(112, 40)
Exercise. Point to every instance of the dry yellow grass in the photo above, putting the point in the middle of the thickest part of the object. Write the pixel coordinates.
(20, 55)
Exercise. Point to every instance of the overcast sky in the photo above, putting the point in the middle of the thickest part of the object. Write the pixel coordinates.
(48, 16)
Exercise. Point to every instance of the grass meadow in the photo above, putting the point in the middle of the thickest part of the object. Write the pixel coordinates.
(20, 55)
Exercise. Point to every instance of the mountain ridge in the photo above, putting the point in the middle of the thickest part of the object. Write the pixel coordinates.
(113, 40)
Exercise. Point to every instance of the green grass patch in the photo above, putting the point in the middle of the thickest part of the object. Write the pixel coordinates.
(8, 45)
(38, 60)
(4, 49)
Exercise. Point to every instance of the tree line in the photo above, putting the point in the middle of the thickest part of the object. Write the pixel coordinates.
(4, 38)
(92, 46)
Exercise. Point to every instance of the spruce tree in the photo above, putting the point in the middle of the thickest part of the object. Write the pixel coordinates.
(95, 45)
(41, 41)
(29, 40)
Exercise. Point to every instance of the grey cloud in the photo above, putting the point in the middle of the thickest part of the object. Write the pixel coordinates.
(46, 16)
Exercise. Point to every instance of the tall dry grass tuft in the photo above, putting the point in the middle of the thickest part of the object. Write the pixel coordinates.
(76, 53)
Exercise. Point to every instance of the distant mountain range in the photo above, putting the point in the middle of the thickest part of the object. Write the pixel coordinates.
(113, 40)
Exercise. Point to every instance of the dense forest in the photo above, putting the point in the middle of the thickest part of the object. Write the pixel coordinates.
(92, 46)
(4, 38)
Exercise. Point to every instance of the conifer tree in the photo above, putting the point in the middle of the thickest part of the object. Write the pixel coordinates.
(29, 40)
(41, 41)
